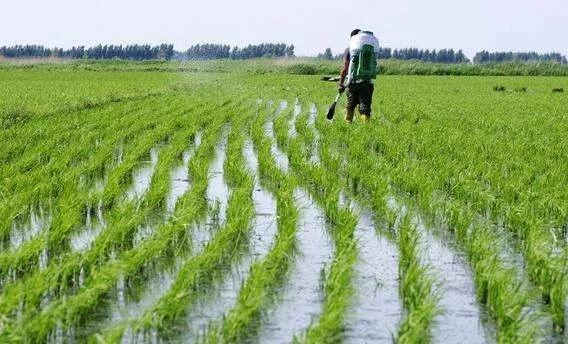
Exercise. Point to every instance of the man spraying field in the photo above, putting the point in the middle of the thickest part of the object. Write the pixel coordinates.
(358, 72)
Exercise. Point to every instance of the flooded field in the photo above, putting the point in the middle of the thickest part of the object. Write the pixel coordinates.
(189, 212)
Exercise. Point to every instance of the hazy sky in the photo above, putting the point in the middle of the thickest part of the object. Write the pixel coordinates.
(312, 26)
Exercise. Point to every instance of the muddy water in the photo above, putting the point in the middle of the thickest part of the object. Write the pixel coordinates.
(462, 320)
(179, 177)
(39, 220)
(280, 158)
(142, 177)
(82, 240)
(376, 311)
(302, 296)
(212, 308)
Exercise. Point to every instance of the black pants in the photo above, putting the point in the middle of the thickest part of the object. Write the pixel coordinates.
(360, 93)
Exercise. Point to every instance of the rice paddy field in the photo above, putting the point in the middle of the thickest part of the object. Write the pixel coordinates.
(163, 206)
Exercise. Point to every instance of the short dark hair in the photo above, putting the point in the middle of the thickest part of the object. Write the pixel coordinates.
(354, 32)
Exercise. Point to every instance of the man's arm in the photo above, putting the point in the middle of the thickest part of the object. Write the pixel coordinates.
(344, 70)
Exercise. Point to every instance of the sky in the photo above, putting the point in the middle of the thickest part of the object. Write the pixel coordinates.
(312, 26)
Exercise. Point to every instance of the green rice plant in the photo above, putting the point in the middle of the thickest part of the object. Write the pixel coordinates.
(73, 206)
(417, 288)
(324, 187)
(257, 293)
(74, 309)
(488, 167)
(199, 271)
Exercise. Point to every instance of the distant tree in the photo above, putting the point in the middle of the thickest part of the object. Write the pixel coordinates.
(326, 55)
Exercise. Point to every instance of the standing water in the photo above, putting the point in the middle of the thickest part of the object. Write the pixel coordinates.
(302, 296)
(217, 190)
(315, 158)
(142, 177)
(82, 240)
(280, 158)
(376, 312)
(180, 177)
(212, 309)
(461, 320)
(292, 124)
(21, 233)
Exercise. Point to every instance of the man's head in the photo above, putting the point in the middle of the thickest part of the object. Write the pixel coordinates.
(354, 32)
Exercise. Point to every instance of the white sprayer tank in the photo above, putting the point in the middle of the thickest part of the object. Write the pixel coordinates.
(363, 38)
(356, 43)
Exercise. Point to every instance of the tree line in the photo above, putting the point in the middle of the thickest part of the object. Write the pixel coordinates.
(438, 56)
(487, 57)
(223, 51)
(451, 56)
(127, 52)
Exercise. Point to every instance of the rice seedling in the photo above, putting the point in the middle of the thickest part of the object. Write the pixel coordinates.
(115, 222)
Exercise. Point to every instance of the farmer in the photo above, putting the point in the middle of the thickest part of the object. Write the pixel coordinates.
(360, 69)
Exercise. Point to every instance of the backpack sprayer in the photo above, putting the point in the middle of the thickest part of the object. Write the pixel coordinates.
(363, 52)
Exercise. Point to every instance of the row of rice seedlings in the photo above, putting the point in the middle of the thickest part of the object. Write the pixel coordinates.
(74, 309)
(292, 316)
(417, 284)
(62, 272)
(68, 217)
(454, 288)
(416, 288)
(70, 211)
(60, 130)
(280, 157)
(391, 141)
(51, 172)
(509, 299)
(292, 132)
(503, 162)
(210, 310)
(190, 209)
(202, 271)
(77, 258)
(152, 276)
(70, 167)
(377, 309)
(143, 289)
(543, 255)
(324, 187)
(244, 319)
(520, 321)
(309, 136)
(221, 291)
